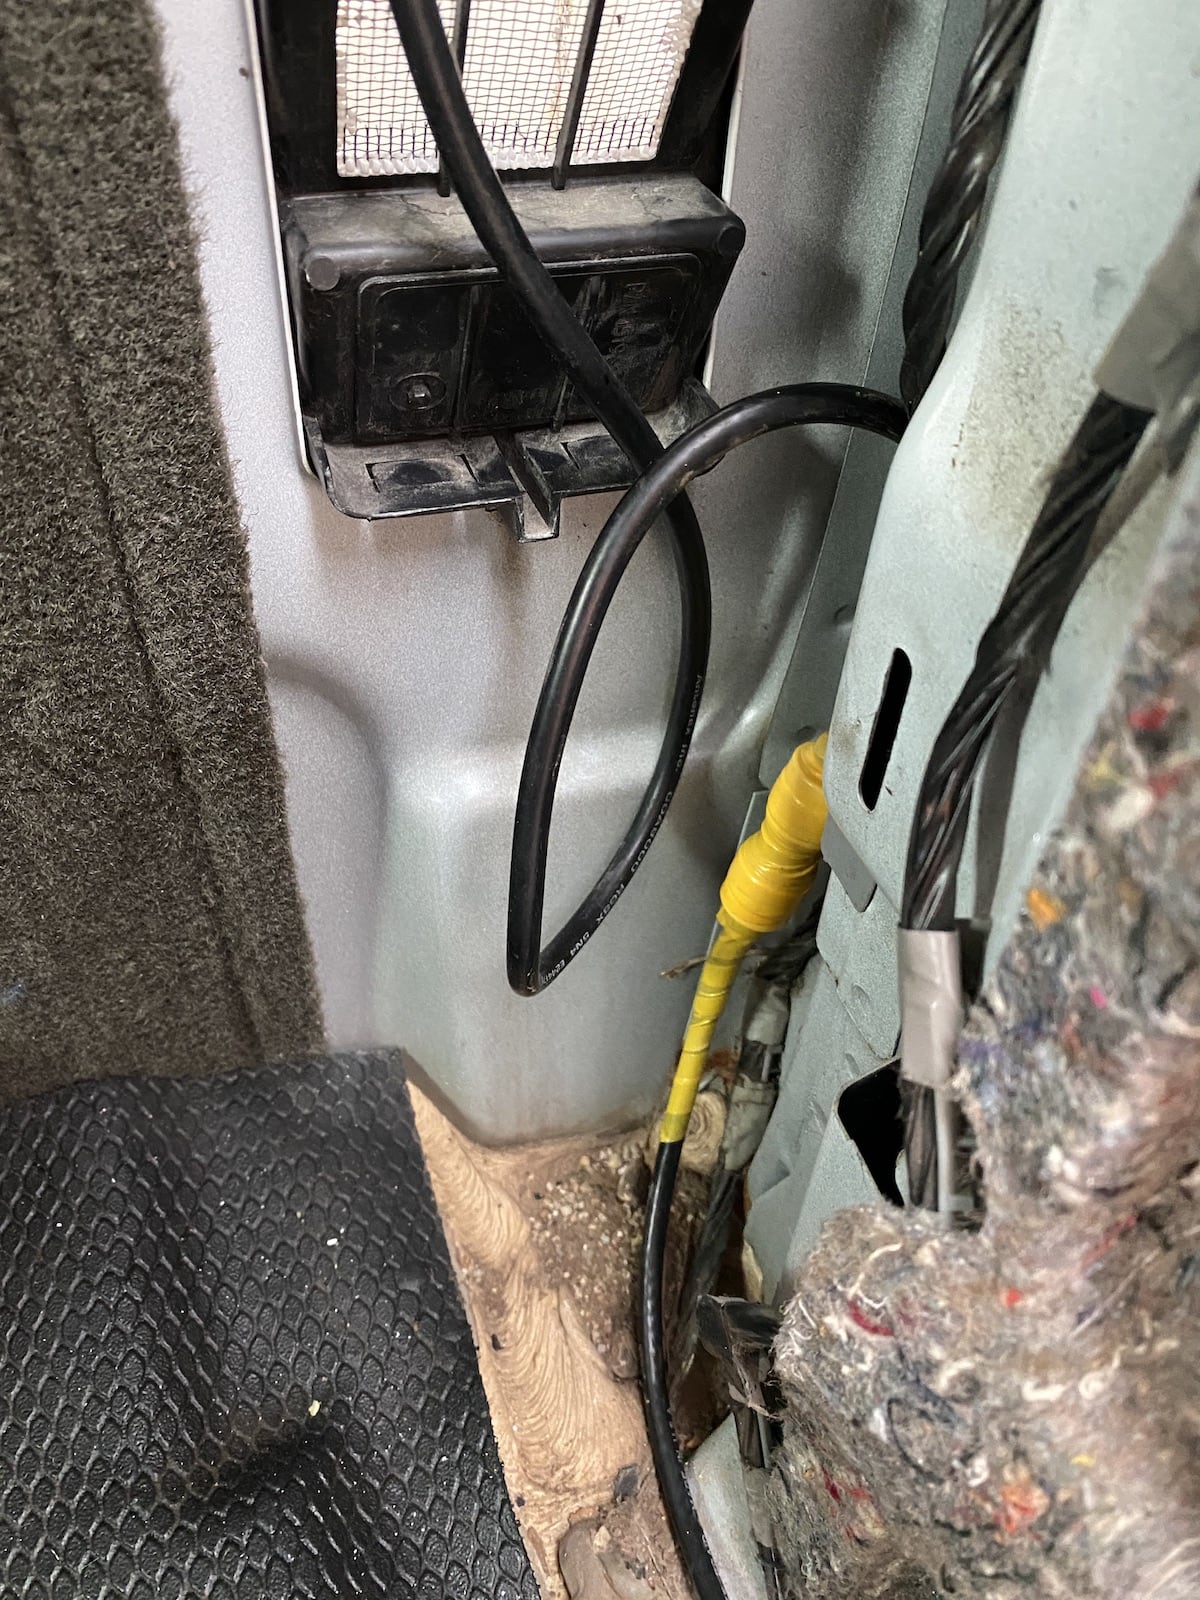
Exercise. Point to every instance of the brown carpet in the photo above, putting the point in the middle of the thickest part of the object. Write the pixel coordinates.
(149, 915)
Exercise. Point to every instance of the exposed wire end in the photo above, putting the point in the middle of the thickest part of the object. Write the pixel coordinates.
(740, 1335)
(954, 205)
(931, 1140)
(783, 965)
(945, 1133)
(711, 1243)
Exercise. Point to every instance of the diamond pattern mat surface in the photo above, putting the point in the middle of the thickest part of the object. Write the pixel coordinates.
(233, 1359)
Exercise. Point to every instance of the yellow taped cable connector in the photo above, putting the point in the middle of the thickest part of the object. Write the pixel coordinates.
(771, 873)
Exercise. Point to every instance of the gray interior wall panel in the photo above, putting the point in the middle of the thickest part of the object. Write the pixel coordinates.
(810, 684)
(1101, 155)
(858, 945)
(785, 1178)
(405, 658)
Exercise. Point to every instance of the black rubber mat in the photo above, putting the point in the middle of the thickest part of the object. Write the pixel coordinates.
(234, 1363)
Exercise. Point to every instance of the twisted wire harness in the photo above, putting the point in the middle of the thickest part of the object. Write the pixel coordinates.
(954, 207)
(1012, 652)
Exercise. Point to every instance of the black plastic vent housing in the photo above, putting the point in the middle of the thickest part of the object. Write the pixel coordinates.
(404, 330)
(422, 386)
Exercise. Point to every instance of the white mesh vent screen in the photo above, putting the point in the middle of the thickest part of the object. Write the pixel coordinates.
(520, 57)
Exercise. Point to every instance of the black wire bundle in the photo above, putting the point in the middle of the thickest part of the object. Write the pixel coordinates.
(1014, 647)
(794, 405)
(1012, 652)
(954, 206)
(949, 224)
(436, 76)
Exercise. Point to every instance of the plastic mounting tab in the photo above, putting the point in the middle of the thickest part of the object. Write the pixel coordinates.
(524, 475)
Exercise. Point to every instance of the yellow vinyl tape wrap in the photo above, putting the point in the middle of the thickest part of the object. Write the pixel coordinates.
(771, 873)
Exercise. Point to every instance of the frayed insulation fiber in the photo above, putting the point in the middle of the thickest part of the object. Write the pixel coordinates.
(1016, 1411)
